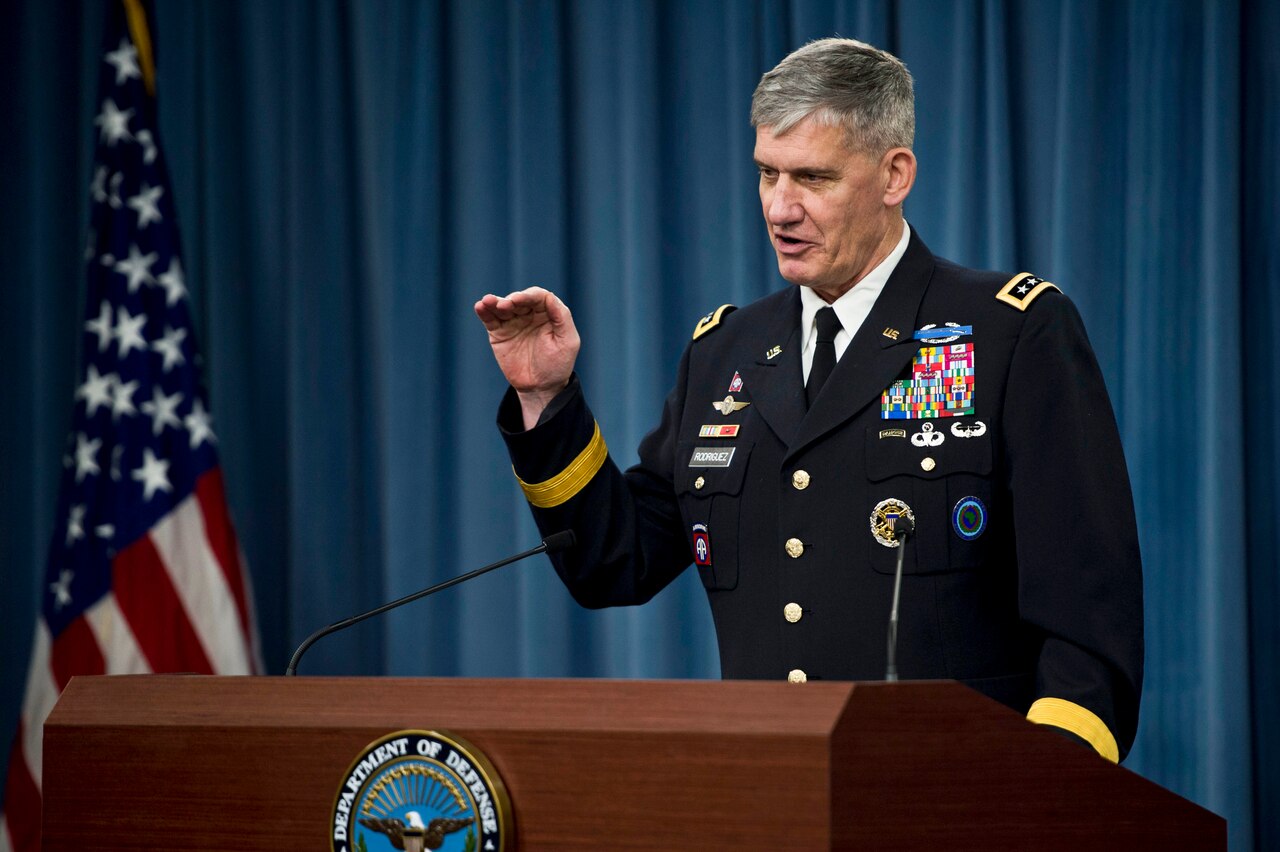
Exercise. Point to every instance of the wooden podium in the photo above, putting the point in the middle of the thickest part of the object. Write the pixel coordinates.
(218, 763)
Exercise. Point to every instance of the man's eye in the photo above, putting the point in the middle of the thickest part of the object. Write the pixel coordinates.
(767, 174)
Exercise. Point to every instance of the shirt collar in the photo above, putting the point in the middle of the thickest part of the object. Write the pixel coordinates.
(853, 307)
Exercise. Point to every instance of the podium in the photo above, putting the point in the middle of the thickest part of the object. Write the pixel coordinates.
(216, 763)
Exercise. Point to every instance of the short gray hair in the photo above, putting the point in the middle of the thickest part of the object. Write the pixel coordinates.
(840, 82)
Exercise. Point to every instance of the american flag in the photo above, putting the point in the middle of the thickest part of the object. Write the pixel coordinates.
(144, 572)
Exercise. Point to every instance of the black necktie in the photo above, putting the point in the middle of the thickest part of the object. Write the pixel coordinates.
(824, 353)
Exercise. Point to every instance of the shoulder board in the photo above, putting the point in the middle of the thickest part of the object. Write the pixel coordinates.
(711, 320)
(1023, 289)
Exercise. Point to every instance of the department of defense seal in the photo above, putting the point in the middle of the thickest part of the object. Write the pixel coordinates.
(418, 790)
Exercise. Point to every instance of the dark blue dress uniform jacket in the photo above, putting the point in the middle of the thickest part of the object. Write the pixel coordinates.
(1041, 610)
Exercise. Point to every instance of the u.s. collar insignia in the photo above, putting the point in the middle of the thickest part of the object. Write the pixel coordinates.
(728, 405)
(882, 518)
(773, 353)
(1022, 289)
(421, 789)
(891, 333)
(948, 333)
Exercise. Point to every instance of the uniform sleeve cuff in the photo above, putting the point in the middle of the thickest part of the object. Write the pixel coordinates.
(555, 459)
(1077, 720)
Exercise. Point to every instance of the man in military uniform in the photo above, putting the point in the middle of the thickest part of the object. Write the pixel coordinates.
(888, 383)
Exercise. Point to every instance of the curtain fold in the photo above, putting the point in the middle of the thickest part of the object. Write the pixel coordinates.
(351, 177)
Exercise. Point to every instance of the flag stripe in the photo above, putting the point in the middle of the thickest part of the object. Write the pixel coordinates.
(181, 544)
(210, 492)
(76, 651)
(147, 599)
(41, 695)
(115, 638)
(21, 806)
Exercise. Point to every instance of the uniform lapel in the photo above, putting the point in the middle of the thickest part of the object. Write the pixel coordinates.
(775, 383)
(877, 354)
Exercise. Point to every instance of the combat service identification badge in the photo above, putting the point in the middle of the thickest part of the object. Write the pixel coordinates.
(417, 790)
(883, 517)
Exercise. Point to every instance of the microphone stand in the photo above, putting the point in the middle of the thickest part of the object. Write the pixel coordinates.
(551, 544)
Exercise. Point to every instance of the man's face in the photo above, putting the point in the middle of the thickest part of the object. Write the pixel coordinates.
(824, 206)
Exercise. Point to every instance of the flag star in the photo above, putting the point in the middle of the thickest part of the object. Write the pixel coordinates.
(137, 268)
(75, 524)
(98, 188)
(160, 409)
(146, 204)
(116, 452)
(129, 331)
(199, 424)
(170, 346)
(114, 122)
(62, 589)
(154, 474)
(104, 530)
(149, 149)
(113, 197)
(101, 326)
(173, 282)
(125, 60)
(123, 401)
(96, 390)
(86, 456)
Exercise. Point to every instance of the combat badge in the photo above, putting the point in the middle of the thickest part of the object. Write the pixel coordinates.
(927, 437)
(701, 545)
(882, 518)
(969, 518)
(417, 790)
(950, 332)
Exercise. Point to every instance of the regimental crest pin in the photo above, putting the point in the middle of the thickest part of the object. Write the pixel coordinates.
(728, 405)
(736, 385)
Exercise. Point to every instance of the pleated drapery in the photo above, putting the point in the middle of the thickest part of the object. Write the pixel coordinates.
(351, 177)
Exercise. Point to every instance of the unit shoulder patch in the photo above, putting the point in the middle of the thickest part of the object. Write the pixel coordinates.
(711, 320)
(1023, 289)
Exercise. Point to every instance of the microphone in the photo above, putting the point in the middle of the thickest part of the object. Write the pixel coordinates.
(553, 543)
(903, 529)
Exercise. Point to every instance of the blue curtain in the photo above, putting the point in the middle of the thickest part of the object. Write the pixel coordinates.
(350, 177)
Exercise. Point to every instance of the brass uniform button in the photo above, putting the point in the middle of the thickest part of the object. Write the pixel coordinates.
(797, 676)
(800, 480)
(795, 548)
(792, 612)
(928, 463)
(699, 482)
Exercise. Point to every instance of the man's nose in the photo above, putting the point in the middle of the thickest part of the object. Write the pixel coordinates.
(784, 203)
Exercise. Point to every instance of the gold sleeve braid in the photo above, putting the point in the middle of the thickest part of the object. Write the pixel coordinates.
(1078, 720)
(568, 482)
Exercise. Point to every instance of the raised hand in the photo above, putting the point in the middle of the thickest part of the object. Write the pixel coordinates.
(535, 343)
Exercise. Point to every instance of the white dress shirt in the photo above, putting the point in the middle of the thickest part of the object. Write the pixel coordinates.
(852, 308)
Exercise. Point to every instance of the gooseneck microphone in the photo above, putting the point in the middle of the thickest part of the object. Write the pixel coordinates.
(903, 529)
(553, 543)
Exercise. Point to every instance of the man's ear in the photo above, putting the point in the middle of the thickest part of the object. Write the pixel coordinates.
(899, 168)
